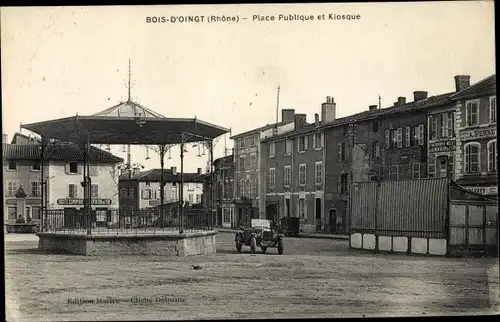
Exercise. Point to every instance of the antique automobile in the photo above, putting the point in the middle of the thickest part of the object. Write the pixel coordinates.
(260, 234)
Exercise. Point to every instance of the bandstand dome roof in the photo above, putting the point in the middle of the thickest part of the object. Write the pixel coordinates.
(127, 123)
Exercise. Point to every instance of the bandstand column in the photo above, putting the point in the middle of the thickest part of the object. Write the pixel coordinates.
(162, 184)
(181, 188)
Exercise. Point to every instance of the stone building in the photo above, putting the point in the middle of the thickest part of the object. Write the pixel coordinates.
(476, 143)
(62, 175)
(224, 189)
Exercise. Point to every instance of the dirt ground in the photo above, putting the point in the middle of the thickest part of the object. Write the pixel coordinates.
(313, 278)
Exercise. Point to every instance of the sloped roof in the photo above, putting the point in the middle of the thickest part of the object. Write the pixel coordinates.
(483, 87)
(129, 109)
(433, 101)
(154, 175)
(260, 129)
(60, 151)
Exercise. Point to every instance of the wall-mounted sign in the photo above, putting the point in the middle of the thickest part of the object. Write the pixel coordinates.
(79, 201)
(479, 133)
(483, 190)
(443, 146)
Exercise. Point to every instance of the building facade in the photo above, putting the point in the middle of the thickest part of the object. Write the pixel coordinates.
(224, 191)
(63, 170)
(248, 188)
(142, 190)
(476, 142)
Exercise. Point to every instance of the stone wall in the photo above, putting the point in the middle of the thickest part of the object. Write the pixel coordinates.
(157, 245)
(410, 245)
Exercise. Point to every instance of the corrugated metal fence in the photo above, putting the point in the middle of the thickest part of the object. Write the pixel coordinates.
(412, 208)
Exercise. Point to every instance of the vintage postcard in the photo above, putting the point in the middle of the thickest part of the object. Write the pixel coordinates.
(180, 162)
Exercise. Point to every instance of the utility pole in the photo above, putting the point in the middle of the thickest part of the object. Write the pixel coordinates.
(379, 105)
(277, 103)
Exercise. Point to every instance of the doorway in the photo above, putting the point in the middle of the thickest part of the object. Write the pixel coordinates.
(272, 213)
(332, 221)
(287, 206)
(318, 213)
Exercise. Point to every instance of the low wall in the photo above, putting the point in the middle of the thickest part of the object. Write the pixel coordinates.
(409, 245)
(102, 245)
(17, 228)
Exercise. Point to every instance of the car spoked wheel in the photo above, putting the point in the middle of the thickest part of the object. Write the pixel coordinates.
(280, 247)
(263, 249)
(253, 244)
(238, 246)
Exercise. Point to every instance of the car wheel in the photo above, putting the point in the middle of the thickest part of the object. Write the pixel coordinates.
(253, 245)
(263, 249)
(238, 246)
(280, 247)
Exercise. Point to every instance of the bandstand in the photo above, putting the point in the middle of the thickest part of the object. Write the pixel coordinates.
(129, 123)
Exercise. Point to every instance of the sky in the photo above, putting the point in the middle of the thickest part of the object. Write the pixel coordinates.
(60, 61)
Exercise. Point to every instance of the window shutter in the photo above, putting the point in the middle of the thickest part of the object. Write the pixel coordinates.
(66, 168)
(298, 144)
(421, 134)
(80, 168)
(407, 136)
(142, 194)
(305, 208)
(387, 141)
(306, 142)
(339, 152)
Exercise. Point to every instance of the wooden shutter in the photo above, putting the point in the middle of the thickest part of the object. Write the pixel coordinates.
(339, 152)
(66, 168)
(399, 137)
(387, 139)
(306, 142)
(80, 168)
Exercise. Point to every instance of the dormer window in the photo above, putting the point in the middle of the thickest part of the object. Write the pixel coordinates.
(12, 165)
(73, 167)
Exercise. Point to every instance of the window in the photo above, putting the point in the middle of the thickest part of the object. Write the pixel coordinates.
(302, 174)
(242, 143)
(450, 125)
(148, 183)
(407, 136)
(173, 193)
(123, 193)
(344, 182)
(420, 135)
(73, 167)
(35, 166)
(433, 127)
(393, 172)
(493, 109)
(302, 208)
(272, 149)
(375, 126)
(302, 144)
(341, 153)
(288, 147)
(36, 190)
(190, 186)
(190, 198)
(394, 138)
(12, 213)
(242, 163)
(318, 141)
(442, 166)
(72, 190)
(198, 198)
(101, 215)
(415, 173)
(387, 139)
(318, 172)
(226, 215)
(146, 194)
(12, 165)
(12, 187)
(94, 170)
(399, 137)
(287, 176)
(492, 156)
(471, 113)
(252, 141)
(94, 191)
(131, 193)
(472, 157)
(375, 150)
(253, 187)
(431, 167)
(253, 161)
(35, 212)
(242, 188)
(272, 178)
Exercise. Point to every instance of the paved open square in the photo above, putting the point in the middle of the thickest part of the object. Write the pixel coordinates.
(313, 278)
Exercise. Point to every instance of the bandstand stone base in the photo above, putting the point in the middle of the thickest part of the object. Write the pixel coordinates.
(186, 244)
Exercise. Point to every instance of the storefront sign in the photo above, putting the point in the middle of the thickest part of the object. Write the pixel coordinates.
(483, 190)
(79, 201)
(443, 146)
(479, 133)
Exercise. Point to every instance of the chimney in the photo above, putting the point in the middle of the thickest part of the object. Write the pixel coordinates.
(316, 119)
(199, 171)
(328, 110)
(373, 107)
(287, 115)
(462, 82)
(401, 100)
(300, 120)
(5, 138)
(419, 95)
(174, 170)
